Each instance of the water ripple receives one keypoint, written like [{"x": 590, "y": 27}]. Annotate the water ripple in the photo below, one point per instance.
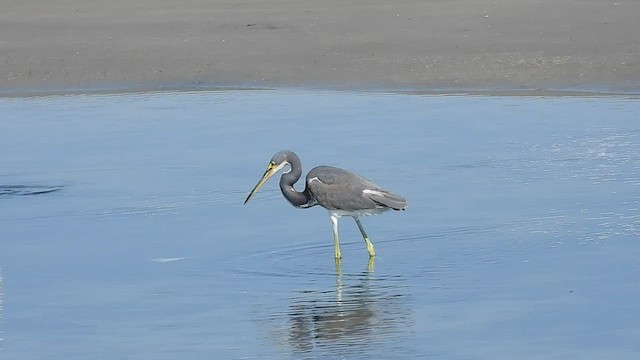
[{"x": 26, "y": 190}]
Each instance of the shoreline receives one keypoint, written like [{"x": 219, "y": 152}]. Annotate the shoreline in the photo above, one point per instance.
[{"x": 122, "y": 90}]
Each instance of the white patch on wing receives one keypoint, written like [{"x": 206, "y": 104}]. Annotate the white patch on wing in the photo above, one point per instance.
[{"x": 373, "y": 192}]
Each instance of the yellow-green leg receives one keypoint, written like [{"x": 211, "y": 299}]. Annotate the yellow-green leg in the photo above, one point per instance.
[
  {"x": 370, "y": 249},
  {"x": 336, "y": 241}
]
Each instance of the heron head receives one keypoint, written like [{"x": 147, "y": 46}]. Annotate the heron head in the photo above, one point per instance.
[{"x": 278, "y": 161}]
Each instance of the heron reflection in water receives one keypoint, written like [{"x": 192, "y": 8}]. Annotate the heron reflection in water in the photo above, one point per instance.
[
  {"x": 341, "y": 192},
  {"x": 362, "y": 311}
]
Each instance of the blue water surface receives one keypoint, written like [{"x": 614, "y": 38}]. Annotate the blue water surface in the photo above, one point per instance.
[{"x": 123, "y": 234}]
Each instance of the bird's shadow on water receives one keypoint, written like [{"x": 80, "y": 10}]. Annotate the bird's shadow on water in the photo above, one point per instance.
[{"x": 361, "y": 310}]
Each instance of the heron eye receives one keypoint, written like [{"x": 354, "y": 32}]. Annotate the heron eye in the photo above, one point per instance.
[{"x": 271, "y": 165}]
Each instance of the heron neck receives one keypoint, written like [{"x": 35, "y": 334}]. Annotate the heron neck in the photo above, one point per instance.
[{"x": 296, "y": 198}]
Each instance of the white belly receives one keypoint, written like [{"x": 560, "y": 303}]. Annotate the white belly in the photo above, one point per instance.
[{"x": 356, "y": 213}]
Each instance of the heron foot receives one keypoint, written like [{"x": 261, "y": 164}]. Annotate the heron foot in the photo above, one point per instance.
[{"x": 370, "y": 249}]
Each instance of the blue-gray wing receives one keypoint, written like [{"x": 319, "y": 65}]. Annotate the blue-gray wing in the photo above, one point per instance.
[{"x": 338, "y": 189}]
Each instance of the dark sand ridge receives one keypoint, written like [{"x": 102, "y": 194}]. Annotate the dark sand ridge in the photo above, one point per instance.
[{"x": 356, "y": 44}]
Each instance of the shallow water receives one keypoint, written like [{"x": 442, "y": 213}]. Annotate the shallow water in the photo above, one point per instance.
[{"x": 520, "y": 240}]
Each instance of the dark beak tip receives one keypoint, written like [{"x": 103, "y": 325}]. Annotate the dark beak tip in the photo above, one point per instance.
[{"x": 247, "y": 199}]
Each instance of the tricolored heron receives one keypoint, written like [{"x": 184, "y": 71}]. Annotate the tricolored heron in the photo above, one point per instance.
[{"x": 341, "y": 192}]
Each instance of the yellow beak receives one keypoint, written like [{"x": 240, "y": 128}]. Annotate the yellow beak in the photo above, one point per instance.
[{"x": 271, "y": 170}]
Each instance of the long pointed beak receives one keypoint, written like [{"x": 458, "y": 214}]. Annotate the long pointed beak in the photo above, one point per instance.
[{"x": 267, "y": 175}]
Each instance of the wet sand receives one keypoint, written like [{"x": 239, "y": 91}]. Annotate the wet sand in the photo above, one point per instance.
[{"x": 409, "y": 44}]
